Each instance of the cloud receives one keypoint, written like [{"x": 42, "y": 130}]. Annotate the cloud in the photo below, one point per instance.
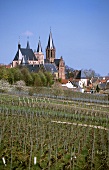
[{"x": 27, "y": 33}]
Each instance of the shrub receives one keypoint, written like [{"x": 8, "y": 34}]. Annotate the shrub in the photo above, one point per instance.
[{"x": 31, "y": 91}]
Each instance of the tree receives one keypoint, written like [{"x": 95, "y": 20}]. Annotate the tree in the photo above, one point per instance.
[
  {"x": 3, "y": 73},
  {"x": 57, "y": 89},
  {"x": 49, "y": 78},
  {"x": 10, "y": 76},
  {"x": 26, "y": 76},
  {"x": 37, "y": 80},
  {"x": 19, "y": 85},
  {"x": 17, "y": 74},
  {"x": 69, "y": 72},
  {"x": 89, "y": 73},
  {"x": 97, "y": 88},
  {"x": 43, "y": 78}
]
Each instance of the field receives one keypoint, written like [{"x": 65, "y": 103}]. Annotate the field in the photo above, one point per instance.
[{"x": 53, "y": 133}]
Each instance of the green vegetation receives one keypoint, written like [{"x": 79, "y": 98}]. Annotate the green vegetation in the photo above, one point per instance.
[
  {"x": 60, "y": 134},
  {"x": 12, "y": 75}
]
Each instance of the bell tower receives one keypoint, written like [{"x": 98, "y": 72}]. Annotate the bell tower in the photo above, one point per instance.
[
  {"x": 50, "y": 49},
  {"x": 61, "y": 68}
]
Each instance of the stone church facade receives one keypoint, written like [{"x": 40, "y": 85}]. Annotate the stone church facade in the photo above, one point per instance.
[{"x": 26, "y": 57}]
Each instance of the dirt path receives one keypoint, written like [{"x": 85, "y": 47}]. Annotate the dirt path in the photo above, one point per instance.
[{"x": 79, "y": 124}]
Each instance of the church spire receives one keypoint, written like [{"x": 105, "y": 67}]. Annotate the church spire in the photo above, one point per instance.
[
  {"x": 19, "y": 46},
  {"x": 28, "y": 45},
  {"x": 50, "y": 50},
  {"x": 50, "y": 41},
  {"x": 39, "y": 48}
]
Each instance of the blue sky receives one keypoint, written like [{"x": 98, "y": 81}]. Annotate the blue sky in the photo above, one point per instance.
[{"x": 80, "y": 30}]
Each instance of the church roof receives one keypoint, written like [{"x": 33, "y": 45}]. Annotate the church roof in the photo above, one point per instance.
[
  {"x": 46, "y": 61},
  {"x": 56, "y": 61},
  {"x": 28, "y": 53},
  {"x": 50, "y": 42},
  {"x": 16, "y": 56},
  {"x": 83, "y": 74},
  {"x": 39, "y": 48},
  {"x": 24, "y": 60},
  {"x": 33, "y": 68},
  {"x": 50, "y": 67},
  {"x": 80, "y": 75}
]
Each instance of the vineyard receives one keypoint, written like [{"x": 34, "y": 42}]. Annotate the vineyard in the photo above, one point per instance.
[{"x": 53, "y": 133}]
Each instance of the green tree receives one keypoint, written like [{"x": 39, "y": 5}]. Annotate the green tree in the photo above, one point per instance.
[
  {"x": 37, "y": 80},
  {"x": 3, "y": 73},
  {"x": 43, "y": 78},
  {"x": 17, "y": 74},
  {"x": 33, "y": 78},
  {"x": 26, "y": 76},
  {"x": 49, "y": 78},
  {"x": 10, "y": 76}
]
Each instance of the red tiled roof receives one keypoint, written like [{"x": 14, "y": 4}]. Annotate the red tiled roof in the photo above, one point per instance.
[
  {"x": 8, "y": 66},
  {"x": 103, "y": 81},
  {"x": 64, "y": 81}
]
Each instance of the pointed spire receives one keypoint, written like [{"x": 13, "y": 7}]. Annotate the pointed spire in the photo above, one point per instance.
[
  {"x": 28, "y": 46},
  {"x": 19, "y": 40},
  {"x": 39, "y": 48},
  {"x": 50, "y": 41},
  {"x": 19, "y": 46}
]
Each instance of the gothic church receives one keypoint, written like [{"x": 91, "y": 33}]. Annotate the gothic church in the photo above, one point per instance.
[{"x": 34, "y": 60}]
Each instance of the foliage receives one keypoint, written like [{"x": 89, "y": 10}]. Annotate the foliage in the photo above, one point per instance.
[
  {"x": 37, "y": 80},
  {"x": 3, "y": 73},
  {"x": 12, "y": 75},
  {"x": 57, "y": 89},
  {"x": 69, "y": 72},
  {"x": 49, "y": 78},
  {"x": 17, "y": 74},
  {"x": 26, "y": 76},
  {"x": 43, "y": 78},
  {"x": 19, "y": 85},
  {"x": 31, "y": 91},
  {"x": 3, "y": 90},
  {"x": 4, "y": 86}
]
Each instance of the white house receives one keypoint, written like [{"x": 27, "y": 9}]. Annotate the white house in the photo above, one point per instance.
[{"x": 69, "y": 85}]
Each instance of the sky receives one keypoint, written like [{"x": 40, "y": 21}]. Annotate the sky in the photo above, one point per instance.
[{"x": 80, "y": 30}]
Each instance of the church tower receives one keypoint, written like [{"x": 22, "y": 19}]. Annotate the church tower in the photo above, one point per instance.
[
  {"x": 61, "y": 68},
  {"x": 39, "y": 54},
  {"x": 50, "y": 50}
]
